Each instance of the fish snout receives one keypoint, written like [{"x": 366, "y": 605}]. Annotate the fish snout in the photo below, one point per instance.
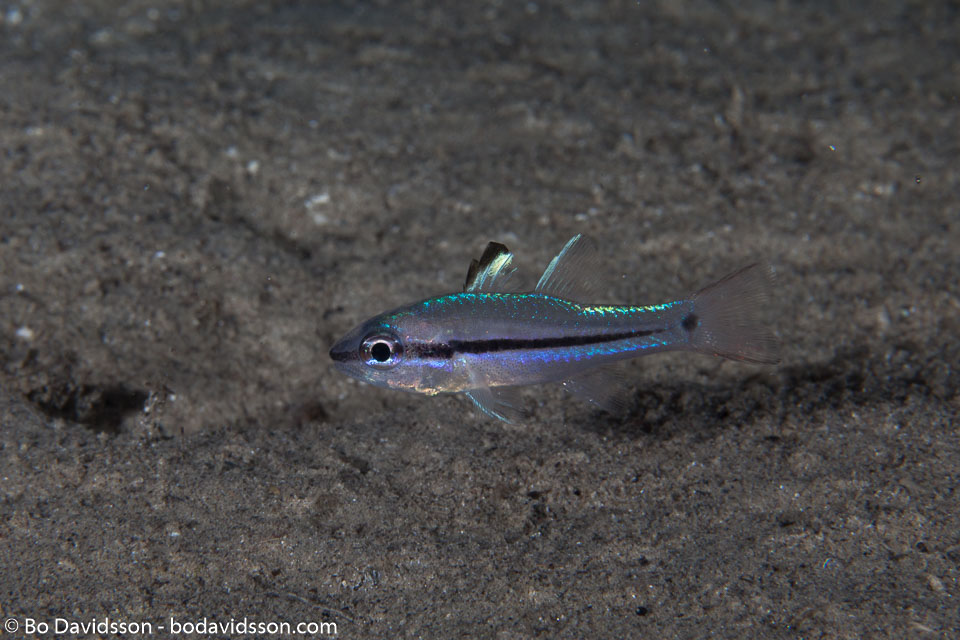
[{"x": 341, "y": 352}]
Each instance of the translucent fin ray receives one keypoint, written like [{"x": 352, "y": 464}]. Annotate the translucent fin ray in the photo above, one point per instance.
[
  {"x": 502, "y": 403},
  {"x": 604, "y": 386},
  {"x": 727, "y": 317},
  {"x": 571, "y": 274}
]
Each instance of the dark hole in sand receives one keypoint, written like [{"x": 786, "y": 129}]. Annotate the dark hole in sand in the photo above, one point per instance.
[{"x": 100, "y": 408}]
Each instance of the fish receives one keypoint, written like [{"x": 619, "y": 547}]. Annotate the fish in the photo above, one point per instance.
[{"x": 490, "y": 340}]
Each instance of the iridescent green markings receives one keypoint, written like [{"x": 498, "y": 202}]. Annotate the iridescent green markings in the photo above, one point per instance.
[{"x": 487, "y": 341}]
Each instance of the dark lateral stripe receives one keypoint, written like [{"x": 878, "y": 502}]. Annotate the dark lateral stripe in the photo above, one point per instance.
[
  {"x": 341, "y": 356},
  {"x": 511, "y": 344},
  {"x": 431, "y": 350},
  {"x": 447, "y": 350}
]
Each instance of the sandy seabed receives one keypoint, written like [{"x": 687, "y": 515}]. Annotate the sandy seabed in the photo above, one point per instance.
[{"x": 198, "y": 200}]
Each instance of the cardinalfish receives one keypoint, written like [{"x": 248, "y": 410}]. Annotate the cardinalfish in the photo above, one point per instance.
[{"x": 490, "y": 340}]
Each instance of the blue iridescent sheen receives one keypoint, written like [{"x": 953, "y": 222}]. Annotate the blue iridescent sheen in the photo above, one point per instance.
[
  {"x": 539, "y": 327},
  {"x": 487, "y": 340}
]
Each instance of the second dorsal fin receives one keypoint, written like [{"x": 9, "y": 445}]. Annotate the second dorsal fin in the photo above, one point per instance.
[
  {"x": 572, "y": 274},
  {"x": 492, "y": 271}
]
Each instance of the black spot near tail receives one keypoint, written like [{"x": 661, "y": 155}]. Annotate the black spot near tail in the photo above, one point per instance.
[{"x": 691, "y": 322}]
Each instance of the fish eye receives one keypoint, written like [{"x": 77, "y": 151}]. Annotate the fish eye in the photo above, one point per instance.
[{"x": 382, "y": 351}]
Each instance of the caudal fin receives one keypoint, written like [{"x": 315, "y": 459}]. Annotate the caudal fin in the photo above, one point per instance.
[{"x": 727, "y": 317}]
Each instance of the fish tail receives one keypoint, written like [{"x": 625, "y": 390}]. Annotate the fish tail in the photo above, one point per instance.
[{"x": 727, "y": 318}]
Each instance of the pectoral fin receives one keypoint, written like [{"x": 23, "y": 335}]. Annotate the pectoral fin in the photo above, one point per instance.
[{"x": 502, "y": 403}]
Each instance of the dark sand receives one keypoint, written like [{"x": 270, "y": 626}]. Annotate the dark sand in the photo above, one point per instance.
[{"x": 197, "y": 201}]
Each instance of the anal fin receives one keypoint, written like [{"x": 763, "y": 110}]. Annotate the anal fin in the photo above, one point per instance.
[{"x": 603, "y": 386}]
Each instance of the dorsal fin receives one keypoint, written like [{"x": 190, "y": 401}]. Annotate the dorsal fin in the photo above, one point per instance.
[
  {"x": 492, "y": 271},
  {"x": 571, "y": 275}
]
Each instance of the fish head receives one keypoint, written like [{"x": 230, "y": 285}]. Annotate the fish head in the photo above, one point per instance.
[{"x": 384, "y": 351}]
